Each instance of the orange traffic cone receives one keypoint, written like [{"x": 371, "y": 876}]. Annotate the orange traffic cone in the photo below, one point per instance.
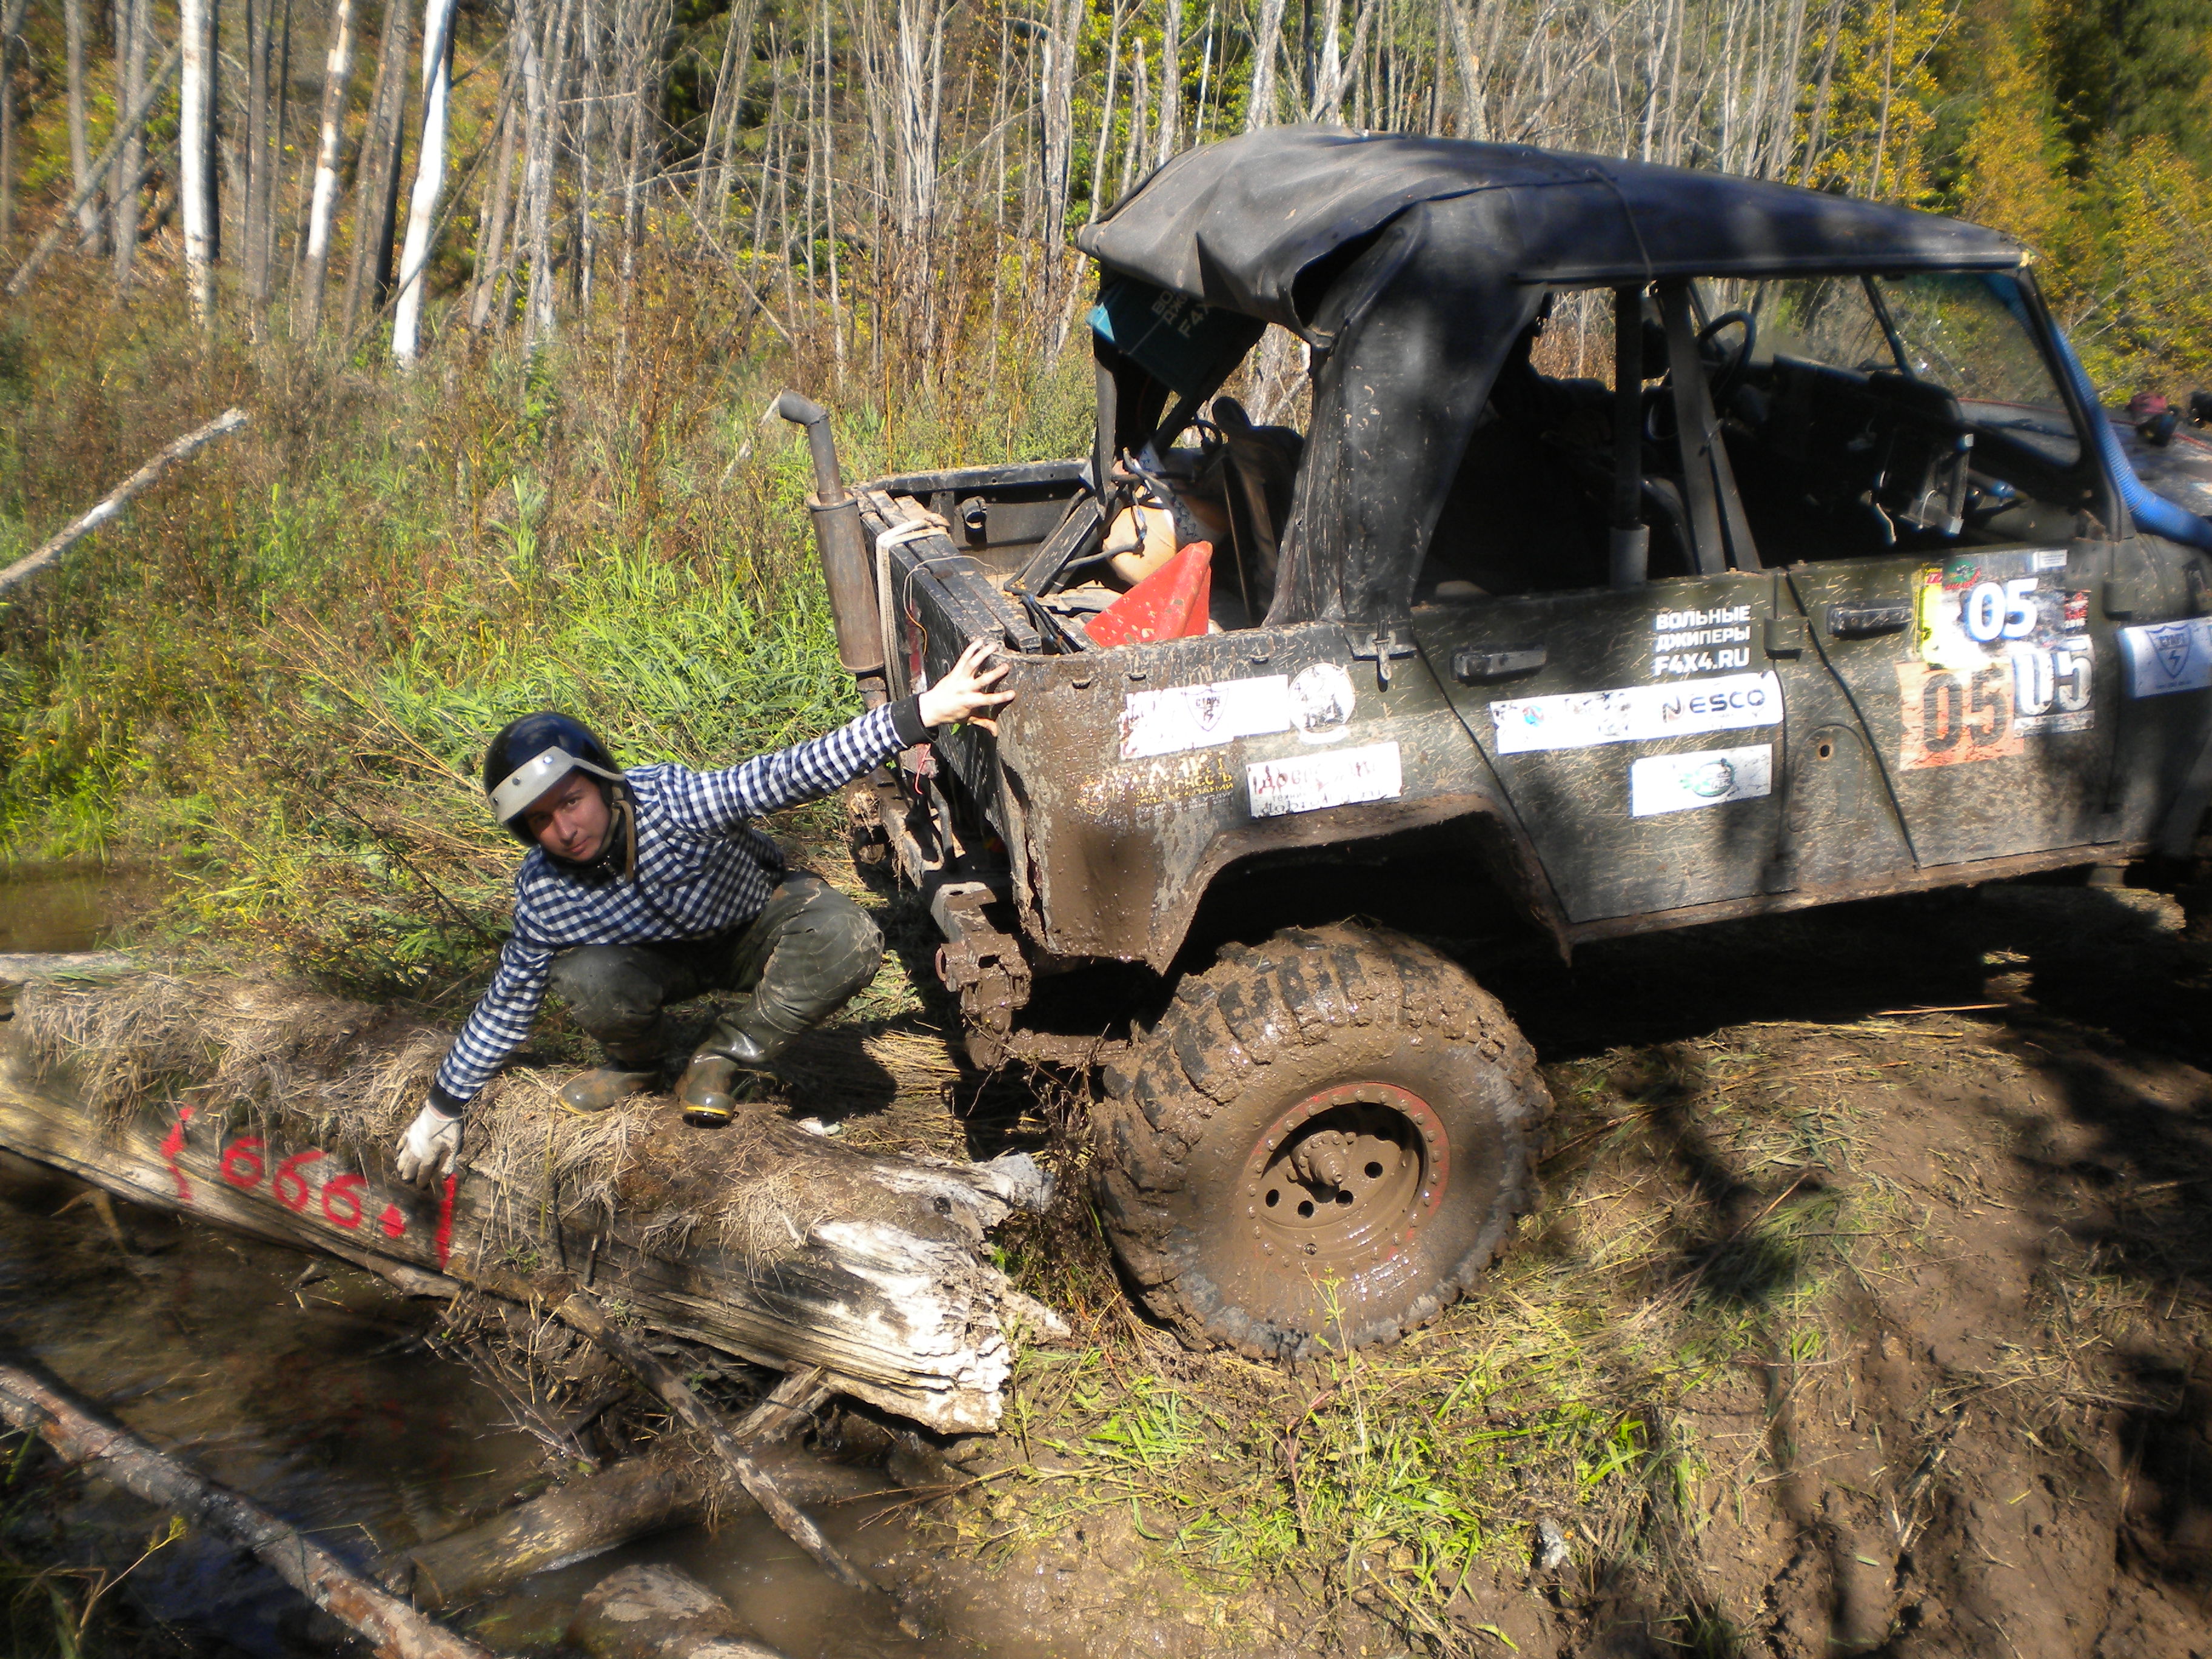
[{"x": 1170, "y": 603}]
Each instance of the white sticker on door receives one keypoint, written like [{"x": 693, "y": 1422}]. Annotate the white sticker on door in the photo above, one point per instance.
[
  {"x": 1635, "y": 714},
  {"x": 1706, "y": 777},
  {"x": 1181, "y": 717},
  {"x": 1307, "y": 783},
  {"x": 2175, "y": 656}
]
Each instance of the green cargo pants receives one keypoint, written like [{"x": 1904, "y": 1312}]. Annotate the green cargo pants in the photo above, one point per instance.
[{"x": 802, "y": 958}]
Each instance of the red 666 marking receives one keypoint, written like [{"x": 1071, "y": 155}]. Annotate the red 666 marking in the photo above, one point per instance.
[{"x": 342, "y": 1201}]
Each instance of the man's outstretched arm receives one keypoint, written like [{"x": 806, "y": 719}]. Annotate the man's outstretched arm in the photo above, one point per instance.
[{"x": 808, "y": 771}]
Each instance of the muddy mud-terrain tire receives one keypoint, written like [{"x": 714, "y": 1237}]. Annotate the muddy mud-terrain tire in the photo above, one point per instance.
[{"x": 1323, "y": 1139}]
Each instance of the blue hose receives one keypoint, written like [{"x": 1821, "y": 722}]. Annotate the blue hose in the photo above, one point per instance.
[{"x": 2150, "y": 511}]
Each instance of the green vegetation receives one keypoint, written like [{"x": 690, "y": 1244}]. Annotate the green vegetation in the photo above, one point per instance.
[{"x": 276, "y": 677}]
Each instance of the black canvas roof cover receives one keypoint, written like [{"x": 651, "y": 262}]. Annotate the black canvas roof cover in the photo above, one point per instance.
[
  {"x": 1236, "y": 223},
  {"x": 1411, "y": 265}
]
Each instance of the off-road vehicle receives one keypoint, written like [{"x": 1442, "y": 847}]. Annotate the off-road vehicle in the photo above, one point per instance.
[{"x": 1838, "y": 584}]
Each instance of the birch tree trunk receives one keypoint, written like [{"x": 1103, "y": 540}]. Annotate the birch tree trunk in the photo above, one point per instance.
[
  {"x": 8, "y": 25},
  {"x": 376, "y": 178},
  {"x": 1260, "y": 108},
  {"x": 337, "y": 71},
  {"x": 88, "y": 216},
  {"x": 1473, "y": 119},
  {"x": 122, "y": 193},
  {"x": 491, "y": 249},
  {"x": 260, "y": 164},
  {"x": 429, "y": 176},
  {"x": 1170, "y": 84},
  {"x": 1106, "y": 116},
  {"x": 195, "y": 114}
]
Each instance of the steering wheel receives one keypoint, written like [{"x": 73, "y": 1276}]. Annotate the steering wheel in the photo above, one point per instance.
[{"x": 1725, "y": 369}]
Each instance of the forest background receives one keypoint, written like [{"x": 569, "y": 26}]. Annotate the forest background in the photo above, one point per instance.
[{"x": 505, "y": 284}]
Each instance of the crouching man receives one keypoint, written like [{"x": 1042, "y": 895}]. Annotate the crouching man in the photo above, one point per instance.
[{"x": 645, "y": 888}]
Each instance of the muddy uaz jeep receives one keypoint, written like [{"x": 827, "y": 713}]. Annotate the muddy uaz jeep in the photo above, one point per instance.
[{"x": 1841, "y": 584}]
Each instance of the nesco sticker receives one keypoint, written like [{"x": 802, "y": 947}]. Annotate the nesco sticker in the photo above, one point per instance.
[
  {"x": 1706, "y": 777},
  {"x": 1635, "y": 714}
]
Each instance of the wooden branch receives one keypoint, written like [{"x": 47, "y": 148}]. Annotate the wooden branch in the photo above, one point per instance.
[
  {"x": 130, "y": 123},
  {"x": 83, "y": 1436},
  {"x": 580, "y": 1309},
  {"x": 663, "y": 1488},
  {"x": 191, "y": 444}
]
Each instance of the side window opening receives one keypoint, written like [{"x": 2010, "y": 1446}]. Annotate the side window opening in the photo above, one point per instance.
[
  {"x": 1907, "y": 413},
  {"x": 1861, "y": 415}
]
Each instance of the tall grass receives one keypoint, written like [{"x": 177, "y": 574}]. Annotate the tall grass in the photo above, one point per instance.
[{"x": 276, "y": 676}]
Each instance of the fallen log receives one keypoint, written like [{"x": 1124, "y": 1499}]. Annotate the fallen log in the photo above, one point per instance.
[
  {"x": 580, "y": 1310},
  {"x": 119, "y": 497},
  {"x": 39, "y": 1405},
  {"x": 653, "y": 1493},
  {"x": 659, "y": 1612},
  {"x": 255, "y": 1105}
]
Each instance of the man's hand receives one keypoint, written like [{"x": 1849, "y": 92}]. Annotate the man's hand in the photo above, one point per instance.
[
  {"x": 427, "y": 1150},
  {"x": 965, "y": 691}
]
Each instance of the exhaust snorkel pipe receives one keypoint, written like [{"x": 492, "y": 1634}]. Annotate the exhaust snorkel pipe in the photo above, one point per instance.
[{"x": 843, "y": 545}]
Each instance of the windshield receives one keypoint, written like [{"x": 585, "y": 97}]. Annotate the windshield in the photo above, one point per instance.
[{"x": 1967, "y": 333}]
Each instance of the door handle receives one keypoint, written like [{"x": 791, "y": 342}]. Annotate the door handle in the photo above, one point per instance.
[
  {"x": 1860, "y": 622},
  {"x": 1470, "y": 665}
]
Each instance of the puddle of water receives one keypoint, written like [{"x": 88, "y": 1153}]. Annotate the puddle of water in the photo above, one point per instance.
[
  {"x": 67, "y": 907},
  {"x": 322, "y": 1405}
]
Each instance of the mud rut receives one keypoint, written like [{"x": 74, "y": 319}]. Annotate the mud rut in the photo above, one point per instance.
[{"x": 2002, "y": 1444}]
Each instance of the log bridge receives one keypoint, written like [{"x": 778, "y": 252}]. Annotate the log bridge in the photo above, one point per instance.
[{"x": 879, "y": 1280}]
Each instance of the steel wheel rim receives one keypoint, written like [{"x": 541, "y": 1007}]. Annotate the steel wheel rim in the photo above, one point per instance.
[{"x": 1346, "y": 1179}]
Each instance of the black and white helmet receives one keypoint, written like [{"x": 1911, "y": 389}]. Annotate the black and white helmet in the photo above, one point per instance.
[{"x": 532, "y": 754}]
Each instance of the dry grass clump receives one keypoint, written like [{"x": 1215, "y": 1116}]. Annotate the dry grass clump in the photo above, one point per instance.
[{"x": 350, "y": 1076}]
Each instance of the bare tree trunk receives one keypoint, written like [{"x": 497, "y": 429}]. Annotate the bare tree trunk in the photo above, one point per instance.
[
  {"x": 88, "y": 216},
  {"x": 715, "y": 107},
  {"x": 1106, "y": 115},
  {"x": 1259, "y": 108},
  {"x": 491, "y": 247},
  {"x": 830, "y": 198},
  {"x": 1139, "y": 102},
  {"x": 260, "y": 164},
  {"x": 1475, "y": 122},
  {"x": 8, "y": 25},
  {"x": 1060, "y": 42},
  {"x": 337, "y": 70},
  {"x": 123, "y": 197},
  {"x": 429, "y": 176},
  {"x": 195, "y": 119},
  {"x": 376, "y": 178},
  {"x": 1170, "y": 84},
  {"x": 543, "y": 77},
  {"x": 1205, "y": 78}
]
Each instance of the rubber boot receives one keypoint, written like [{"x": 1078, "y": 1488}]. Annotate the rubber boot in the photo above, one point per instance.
[
  {"x": 597, "y": 1090},
  {"x": 714, "y": 1083}
]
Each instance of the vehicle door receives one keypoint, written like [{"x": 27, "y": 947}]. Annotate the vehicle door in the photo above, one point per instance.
[
  {"x": 1946, "y": 593},
  {"x": 1638, "y": 733}
]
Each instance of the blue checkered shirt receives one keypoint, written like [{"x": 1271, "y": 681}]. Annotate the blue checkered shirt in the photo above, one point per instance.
[{"x": 702, "y": 868}]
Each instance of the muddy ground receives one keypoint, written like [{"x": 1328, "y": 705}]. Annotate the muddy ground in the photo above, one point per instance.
[
  {"x": 1865, "y": 1308},
  {"x": 1913, "y": 1310}
]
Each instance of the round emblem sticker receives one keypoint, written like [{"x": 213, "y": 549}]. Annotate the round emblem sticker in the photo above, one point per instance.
[{"x": 1321, "y": 700}]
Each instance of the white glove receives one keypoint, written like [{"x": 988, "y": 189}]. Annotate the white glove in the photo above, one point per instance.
[{"x": 427, "y": 1150}]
